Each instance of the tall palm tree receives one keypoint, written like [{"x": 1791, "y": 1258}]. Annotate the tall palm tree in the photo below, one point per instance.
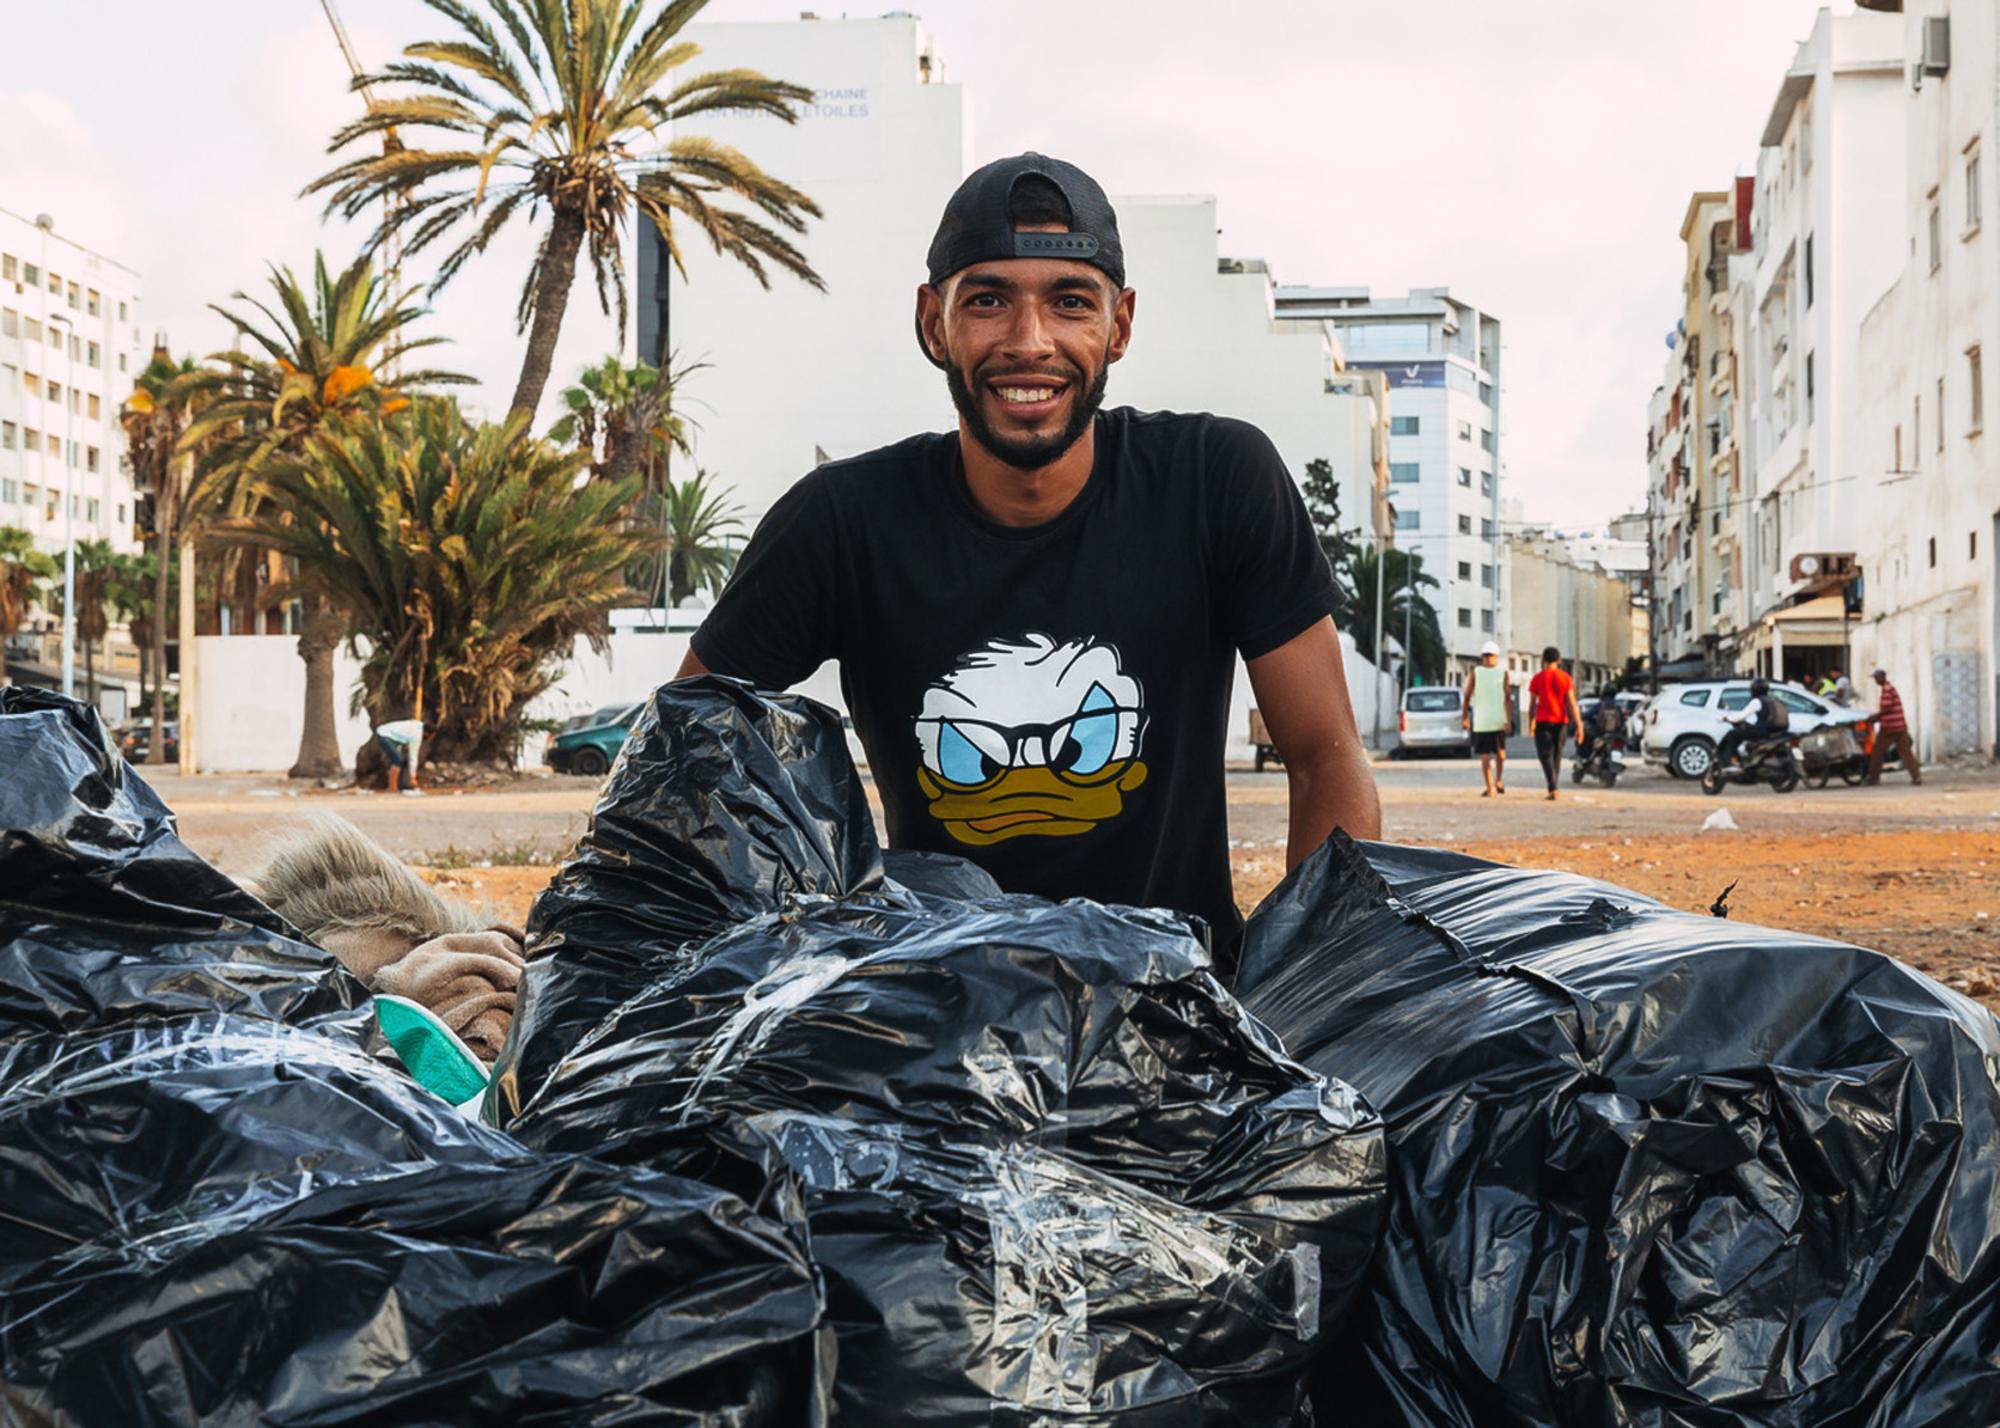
[
  {"x": 323, "y": 353},
  {"x": 1403, "y": 607},
  {"x": 23, "y": 568},
  {"x": 468, "y": 556},
  {"x": 560, "y": 106},
  {"x": 154, "y": 417},
  {"x": 96, "y": 573}
]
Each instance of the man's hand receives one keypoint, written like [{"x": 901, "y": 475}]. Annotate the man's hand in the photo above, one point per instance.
[{"x": 1301, "y": 689}]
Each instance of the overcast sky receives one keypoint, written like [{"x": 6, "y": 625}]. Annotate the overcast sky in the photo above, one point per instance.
[{"x": 1534, "y": 157}]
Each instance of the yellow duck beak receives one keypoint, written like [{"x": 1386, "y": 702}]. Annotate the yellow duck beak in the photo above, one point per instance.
[{"x": 1019, "y": 802}]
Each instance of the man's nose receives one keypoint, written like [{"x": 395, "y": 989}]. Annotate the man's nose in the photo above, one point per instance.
[{"x": 1031, "y": 335}]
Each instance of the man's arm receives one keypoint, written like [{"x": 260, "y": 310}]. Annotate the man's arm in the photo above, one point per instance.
[
  {"x": 1575, "y": 714},
  {"x": 1464, "y": 701},
  {"x": 691, "y": 665},
  {"x": 1301, "y": 690}
]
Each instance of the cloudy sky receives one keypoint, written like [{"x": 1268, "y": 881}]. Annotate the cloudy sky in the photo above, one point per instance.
[{"x": 1535, "y": 157}]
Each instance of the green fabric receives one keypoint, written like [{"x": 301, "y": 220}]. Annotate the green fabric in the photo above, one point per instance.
[
  {"x": 1489, "y": 698},
  {"x": 440, "y": 1062}
]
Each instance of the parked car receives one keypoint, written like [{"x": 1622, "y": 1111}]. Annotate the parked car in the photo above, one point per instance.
[
  {"x": 137, "y": 741},
  {"x": 588, "y": 743},
  {"x": 1685, "y": 723},
  {"x": 1429, "y": 722}
]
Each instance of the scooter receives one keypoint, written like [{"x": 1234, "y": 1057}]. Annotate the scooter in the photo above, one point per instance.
[
  {"x": 1774, "y": 759},
  {"x": 1605, "y": 761}
]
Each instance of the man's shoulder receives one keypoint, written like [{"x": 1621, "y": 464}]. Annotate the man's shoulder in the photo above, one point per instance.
[
  {"x": 1169, "y": 428},
  {"x": 913, "y": 453}
]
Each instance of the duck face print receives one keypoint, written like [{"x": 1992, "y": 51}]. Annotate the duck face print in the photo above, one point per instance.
[{"x": 1031, "y": 737}]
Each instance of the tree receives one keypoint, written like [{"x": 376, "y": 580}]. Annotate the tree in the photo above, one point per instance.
[
  {"x": 154, "y": 417},
  {"x": 96, "y": 573},
  {"x": 695, "y": 519},
  {"x": 623, "y": 416},
  {"x": 558, "y": 107},
  {"x": 467, "y": 556},
  {"x": 319, "y": 356},
  {"x": 1404, "y": 606},
  {"x": 23, "y": 568},
  {"x": 1341, "y": 544}
]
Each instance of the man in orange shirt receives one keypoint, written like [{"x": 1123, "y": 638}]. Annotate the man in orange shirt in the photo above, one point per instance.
[{"x": 1552, "y": 694}]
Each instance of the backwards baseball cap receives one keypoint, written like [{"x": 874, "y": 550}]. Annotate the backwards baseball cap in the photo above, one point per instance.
[
  {"x": 1489, "y": 648},
  {"x": 978, "y": 225}
]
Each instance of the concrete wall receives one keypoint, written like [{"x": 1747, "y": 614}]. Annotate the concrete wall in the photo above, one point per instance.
[{"x": 250, "y": 695}]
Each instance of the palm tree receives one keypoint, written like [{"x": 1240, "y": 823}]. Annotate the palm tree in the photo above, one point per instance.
[
  {"x": 96, "y": 572},
  {"x": 23, "y": 568},
  {"x": 1404, "y": 607},
  {"x": 630, "y": 411},
  {"x": 319, "y": 356},
  {"x": 557, "y": 106},
  {"x": 154, "y": 417},
  {"x": 695, "y": 519},
  {"x": 468, "y": 556}
]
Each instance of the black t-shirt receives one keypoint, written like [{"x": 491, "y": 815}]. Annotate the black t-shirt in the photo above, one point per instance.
[{"x": 1049, "y": 701}]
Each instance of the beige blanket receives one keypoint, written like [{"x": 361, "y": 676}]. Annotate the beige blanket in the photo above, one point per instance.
[{"x": 468, "y": 980}]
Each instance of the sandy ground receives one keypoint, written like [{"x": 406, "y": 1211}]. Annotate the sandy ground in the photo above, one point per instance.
[{"x": 1912, "y": 871}]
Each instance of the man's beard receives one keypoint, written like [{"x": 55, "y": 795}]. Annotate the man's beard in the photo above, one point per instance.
[{"x": 1027, "y": 453}]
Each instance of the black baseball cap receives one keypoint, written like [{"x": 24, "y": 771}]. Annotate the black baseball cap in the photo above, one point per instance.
[{"x": 977, "y": 226}]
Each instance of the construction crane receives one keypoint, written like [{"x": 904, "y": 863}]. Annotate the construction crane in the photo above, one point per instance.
[{"x": 393, "y": 205}]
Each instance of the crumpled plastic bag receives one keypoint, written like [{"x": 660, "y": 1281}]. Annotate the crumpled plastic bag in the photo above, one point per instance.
[
  {"x": 1646, "y": 1167},
  {"x": 217, "y": 1207},
  {"x": 1053, "y": 1173}
]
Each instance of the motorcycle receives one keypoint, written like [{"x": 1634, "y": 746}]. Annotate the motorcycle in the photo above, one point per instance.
[
  {"x": 1774, "y": 759},
  {"x": 1833, "y": 751},
  {"x": 1604, "y": 760}
]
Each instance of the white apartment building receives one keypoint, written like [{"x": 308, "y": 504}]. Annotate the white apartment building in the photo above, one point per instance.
[
  {"x": 1441, "y": 357},
  {"x": 1928, "y": 546},
  {"x": 69, "y": 350},
  {"x": 1830, "y": 166}
]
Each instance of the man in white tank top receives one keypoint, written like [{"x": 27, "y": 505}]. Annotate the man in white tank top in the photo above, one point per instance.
[{"x": 1488, "y": 697}]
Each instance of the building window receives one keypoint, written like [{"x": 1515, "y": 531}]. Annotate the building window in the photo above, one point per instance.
[
  {"x": 1465, "y": 431},
  {"x": 1972, "y": 190},
  {"x": 1809, "y": 270},
  {"x": 96, "y": 411},
  {"x": 10, "y": 269},
  {"x": 1896, "y": 463},
  {"x": 1486, "y": 483},
  {"x": 1405, "y": 473},
  {"x": 1972, "y": 545},
  {"x": 52, "y": 446},
  {"x": 10, "y": 491},
  {"x": 31, "y": 275},
  {"x": 10, "y": 322},
  {"x": 121, "y": 513},
  {"x": 31, "y": 329},
  {"x": 55, "y": 393},
  {"x": 1809, "y": 386},
  {"x": 1406, "y": 520},
  {"x": 55, "y": 285},
  {"x": 9, "y": 434},
  {"x": 1936, "y": 230},
  {"x": 90, "y": 510},
  {"x": 1485, "y": 441},
  {"x": 1465, "y": 525},
  {"x": 121, "y": 312},
  {"x": 1465, "y": 477},
  {"x": 1402, "y": 426},
  {"x": 93, "y": 356},
  {"x": 121, "y": 361},
  {"x": 91, "y": 301},
  {"x": 34, "y": 440},
  {"x": 1485, "y": 529},
  {"x": 1465, "y": 570},
  {"x": 90, "y": 458},
  {"x": 1486, "y": 621},
  {"x": 1486, "y": 393},
  {"x": 1464, "y": 618},
  {"x": 1975, "y": 379},
  {"x": 1486, "y": 576},
  {"x": 1933, "y": 551}
]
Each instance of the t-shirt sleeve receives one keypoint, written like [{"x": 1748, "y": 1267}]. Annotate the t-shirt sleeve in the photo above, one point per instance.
[
  {"x": 1275, "y": 581},
  {"x": 775, "y": 621}
]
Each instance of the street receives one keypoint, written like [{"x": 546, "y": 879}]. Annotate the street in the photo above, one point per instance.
[{"x": 1912, "y": 871}]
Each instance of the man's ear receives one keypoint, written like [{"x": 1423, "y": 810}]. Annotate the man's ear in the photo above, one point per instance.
[
  {"x": 1121, "y": 323},
  {"x": 930, "y": 322}
]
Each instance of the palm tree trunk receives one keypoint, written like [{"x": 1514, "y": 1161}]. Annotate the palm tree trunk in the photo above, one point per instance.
[
  {"x": 156, "y": 747},
  {"x": 319, "y": 741},
  {"x": 551, "y": 297},
  {"x": 90, "y": 672}
]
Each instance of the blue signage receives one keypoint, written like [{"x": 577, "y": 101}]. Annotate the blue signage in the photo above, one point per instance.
[{"x": 1407, "y": 374}]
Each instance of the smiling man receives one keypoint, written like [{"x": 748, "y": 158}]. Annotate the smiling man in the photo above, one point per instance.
[{"x": 1037, "y": 616}]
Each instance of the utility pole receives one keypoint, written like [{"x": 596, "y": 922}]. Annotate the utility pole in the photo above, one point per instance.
[{"x": 1652, "y": 603}]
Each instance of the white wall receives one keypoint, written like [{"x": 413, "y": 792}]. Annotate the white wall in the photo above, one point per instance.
[{"x": 250, "y": 694}]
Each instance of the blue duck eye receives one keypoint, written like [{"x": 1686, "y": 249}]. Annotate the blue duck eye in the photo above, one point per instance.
[
  {"x": 960, "y": 760},
  {"x": 1092, "y": 737}
]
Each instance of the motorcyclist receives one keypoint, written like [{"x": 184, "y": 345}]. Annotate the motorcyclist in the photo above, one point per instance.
[
  {"x": 1607, "y": 720},
  {"x": 1760, "y": 718}
]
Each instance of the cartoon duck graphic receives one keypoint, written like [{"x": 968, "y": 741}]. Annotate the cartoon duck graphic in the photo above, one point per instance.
[{"x": 1031, "y": 737}]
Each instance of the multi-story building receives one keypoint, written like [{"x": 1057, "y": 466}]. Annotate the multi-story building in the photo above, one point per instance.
[
  {"x": 1574, "y": 593},
  {"x": 1927, "y": 549},
  {"x": 1830, "y": 166},
  {"x": 69, "y": 348},
  {"x": 1441, "y": 357}
]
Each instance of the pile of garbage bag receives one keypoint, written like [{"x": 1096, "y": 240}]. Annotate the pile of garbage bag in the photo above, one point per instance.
[
  {"x": 218, "y": 1206},
  {"x": 1646, "y": 1166},
  {"x": 1052, "y": 1172}
]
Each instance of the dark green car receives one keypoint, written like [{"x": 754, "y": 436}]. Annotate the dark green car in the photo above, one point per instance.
[{"x": 588, "y": 743}]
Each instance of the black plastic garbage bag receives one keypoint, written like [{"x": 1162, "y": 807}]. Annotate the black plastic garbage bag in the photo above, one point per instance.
[
  {"x": 724, "y": 801},
  {"x": 217, "y": 1207},
  {"x": 1053, "y": 1172},
  {"x": 1647, "y": 1167}
]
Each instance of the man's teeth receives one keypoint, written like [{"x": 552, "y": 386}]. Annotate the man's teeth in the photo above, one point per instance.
[{"x": 1027, "y": 394}]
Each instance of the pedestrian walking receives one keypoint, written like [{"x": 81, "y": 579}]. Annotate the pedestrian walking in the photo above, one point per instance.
[
  {"x": 1891, "y": 727},
  {"x": 1552, "y": 696},
  {"x": 1488, "y": 704},
  {"x": 402, "y": 740}
]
